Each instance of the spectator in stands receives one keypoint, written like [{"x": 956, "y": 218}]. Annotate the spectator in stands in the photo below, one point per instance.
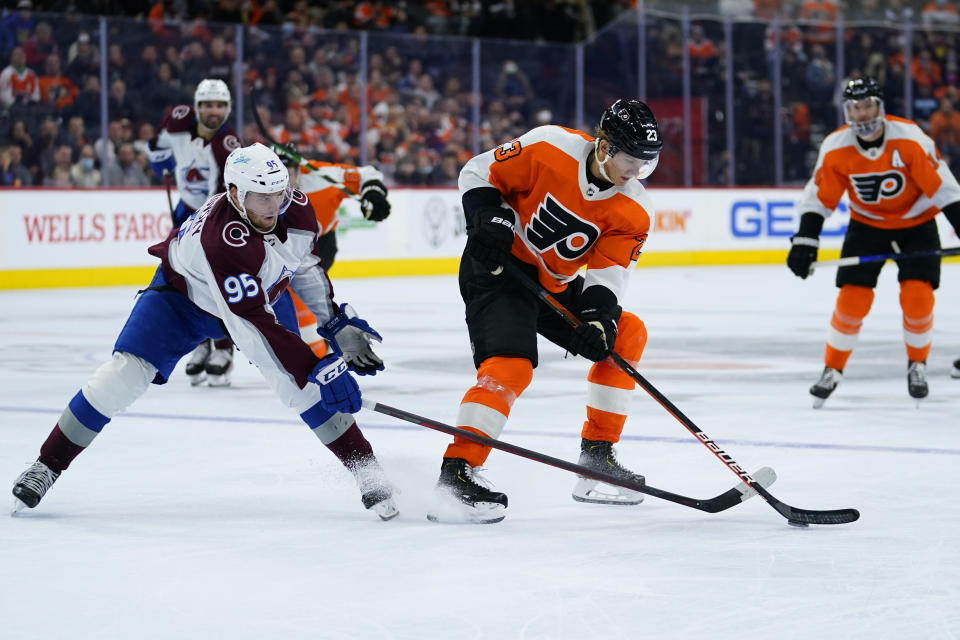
[
  {"x": 145, "y": 69},
  {"x": 939, "y": 12},
  {"x": 56, "y": 89},
  {"x": 87, "y": 104},
  {"x": 12, "y": 171},
  {"x": 124, "y": 171},
  {"x": 219, "y": 63},
  {"x": 20, "y": 136},
  {"x": 925, "y": 70},
  {"x": 897, "y": 13},
  {"x": 16, "y": 27},
  {"x": 145, "y": 133},
  {"x": 83, "y": 59},
  {"x": 703, "y": 61},
  {"x": 945, "y": 131},
  {"x": 84, "y": 172},
  {"x": 59, "y": 175},
  {"x": 118, "y": 132},
  {"x": 19, "y": 84},
  {"x": 821, "y": 82},
  {"x": 76, "y": 135},
  {"x": 47, "y": 141},
  {"x": 40, "y": 45},
  {"x": 513, "y": 87},
  {"x": 924, "y": 104},
  {"x": 118, "y": 104},
  {"x": 117, "y": 66}
]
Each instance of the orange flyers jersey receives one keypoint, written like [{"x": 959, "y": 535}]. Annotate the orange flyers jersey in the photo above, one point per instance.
[
  {"x": 319, "y": 183},
  {"x": 901, "y": 184},
  {"x": 562, "y": 221}
]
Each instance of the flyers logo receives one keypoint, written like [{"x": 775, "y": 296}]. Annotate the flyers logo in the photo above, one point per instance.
[
  {"x": 507, "y": 150},
  {"x": 635, "y": 255},
  {"x": 553, "y": 225},
  {"x": 872, "y": 187}
]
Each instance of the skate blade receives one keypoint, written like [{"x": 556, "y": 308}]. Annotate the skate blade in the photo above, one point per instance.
[
  {"x": 386, "y": 509},
  {"x": 18, "y": 506},
  {"x": 448, "y": 510},
  {"x": 955, "y": 373},
  {"x": 818, "y": 402},
  {"x": 197, "y": 380},
  {"x": 218, "y": 381},
  {"x": 586, "y": 491}
]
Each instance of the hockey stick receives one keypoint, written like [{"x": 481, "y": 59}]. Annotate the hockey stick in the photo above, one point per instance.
[
  {"x": 722, "y": 502},
  {"x": 166, "y": 182},
  {"x": 795, "y": 516},
  {"x": 296, "y": 157},
  {"x": 851, "y": 260}
]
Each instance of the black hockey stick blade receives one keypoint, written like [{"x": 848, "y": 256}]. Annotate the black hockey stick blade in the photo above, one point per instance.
[
  {"x": 793, "y": 515},
  {"x": 296, "y": 157},
  {"x": 731, "y": 498}
]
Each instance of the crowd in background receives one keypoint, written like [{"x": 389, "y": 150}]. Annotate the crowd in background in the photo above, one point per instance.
[{"x": 302, "y": 64}]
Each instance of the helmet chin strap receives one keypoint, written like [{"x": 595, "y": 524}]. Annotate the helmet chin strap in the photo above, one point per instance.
[{"x": 600, "y": 163}]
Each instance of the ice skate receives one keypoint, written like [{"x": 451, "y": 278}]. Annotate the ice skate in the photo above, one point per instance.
[
  {"x": 917, "y": 380},
  {"x": 218, "y": 367},
  {"x": 376, "y": 491},
  {"x": 955, "y": 372},
  {"x": 600, "y": 456},
  {"x": 33, "y": 484},
  {"x": 465, "y": 496},
  {"x": 195, "y": 370},
  {"x": 823, "y": 387}
]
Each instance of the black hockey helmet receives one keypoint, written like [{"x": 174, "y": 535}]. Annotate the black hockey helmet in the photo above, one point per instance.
[
  {"x": 862, "y": 88},
  {"x": 856, "y": 91},
  {"x": 629, "y": 126}
]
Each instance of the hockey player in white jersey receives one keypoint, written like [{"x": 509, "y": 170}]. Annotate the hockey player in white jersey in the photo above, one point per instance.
[
  {"x": 229, "y": 268},
  {"x": 192, "y": 144}
]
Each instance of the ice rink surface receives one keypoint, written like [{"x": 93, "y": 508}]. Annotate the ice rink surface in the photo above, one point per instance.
[{"x": 215, "y": 513}]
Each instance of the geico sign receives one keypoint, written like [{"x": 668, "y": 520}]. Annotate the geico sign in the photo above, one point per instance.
[{"x": 772, "y": 218}]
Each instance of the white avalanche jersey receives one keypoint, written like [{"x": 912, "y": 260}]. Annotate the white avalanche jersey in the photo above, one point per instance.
[
  {"x": 199, "y": 170},
  {"x": 234, "y": 273}
]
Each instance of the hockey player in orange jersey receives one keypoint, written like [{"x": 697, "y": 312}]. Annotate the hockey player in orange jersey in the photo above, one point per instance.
[
  {"x": 897, "y": 183},
  {"x": 552, "y": 201},
  {"x": 327, "y": 185}
]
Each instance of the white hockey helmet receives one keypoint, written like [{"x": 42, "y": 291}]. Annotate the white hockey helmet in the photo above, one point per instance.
[
  {"x": 212, "y": 90},
  {"x": 256, "y": 169}
]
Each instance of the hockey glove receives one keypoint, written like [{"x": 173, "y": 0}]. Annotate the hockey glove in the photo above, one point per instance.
[
  {"x": 339, "y": 392},
  {"x": 492, "y": 239},
  {"x": 805, "y": 243},
  {"x": 162, "y": 161},
  {"x": 373, "y": 201},
  {"x": 351, "y": 336},
  {"x": 803, "y": 253},
  {"x": 594, "y": 337}
]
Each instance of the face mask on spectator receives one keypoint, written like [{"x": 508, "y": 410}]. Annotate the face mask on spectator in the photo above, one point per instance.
[{"x": 86, "y": 164}]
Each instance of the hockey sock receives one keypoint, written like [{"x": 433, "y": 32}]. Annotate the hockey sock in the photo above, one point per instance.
[
  {"x": 916, "y": 300},
  {"x": 352, "y": 447},
  {"x": 609, "y": 388},
  {"x": 57, "y": 451},
  {"x": 486, "y": 405},
  {"x": 853, "y": 304},
  {"x": 223, "y": 343}
]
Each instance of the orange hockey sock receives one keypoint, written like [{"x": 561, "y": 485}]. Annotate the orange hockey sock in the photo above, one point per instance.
[
  {"x": 916, "y": 300},
  {"x": 853, "y": 304}
]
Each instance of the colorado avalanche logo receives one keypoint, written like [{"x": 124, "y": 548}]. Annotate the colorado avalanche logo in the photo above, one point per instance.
[
  {"x": 180, "y": 112},
  {"x": 230, "y": 142},
  {"x": 235, "y": 233}
]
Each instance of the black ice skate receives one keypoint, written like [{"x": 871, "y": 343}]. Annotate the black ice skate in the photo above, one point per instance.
[
  {"x": 955, "y": 372},
  {"x": 218, "y": 367},
  {"x": 466, "y": 496},
  {"x": 195, "y": 364},
  {"x": 600, "y": 456},
  {"x": 823, "y": 387},
  {"x": 33, "y": 484},
  {"x": 376, "y": 491},
  {"x": 917, "y": 380}
]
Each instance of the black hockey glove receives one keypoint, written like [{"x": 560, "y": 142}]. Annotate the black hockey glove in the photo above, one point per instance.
[
  {"x": 595, "y": 336},
  {"x": 804, "y": 244},
  {"x": 351, "y": 336},
  {"x": 373, "y": 201},
  {"x": 492, "y": 239}
]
